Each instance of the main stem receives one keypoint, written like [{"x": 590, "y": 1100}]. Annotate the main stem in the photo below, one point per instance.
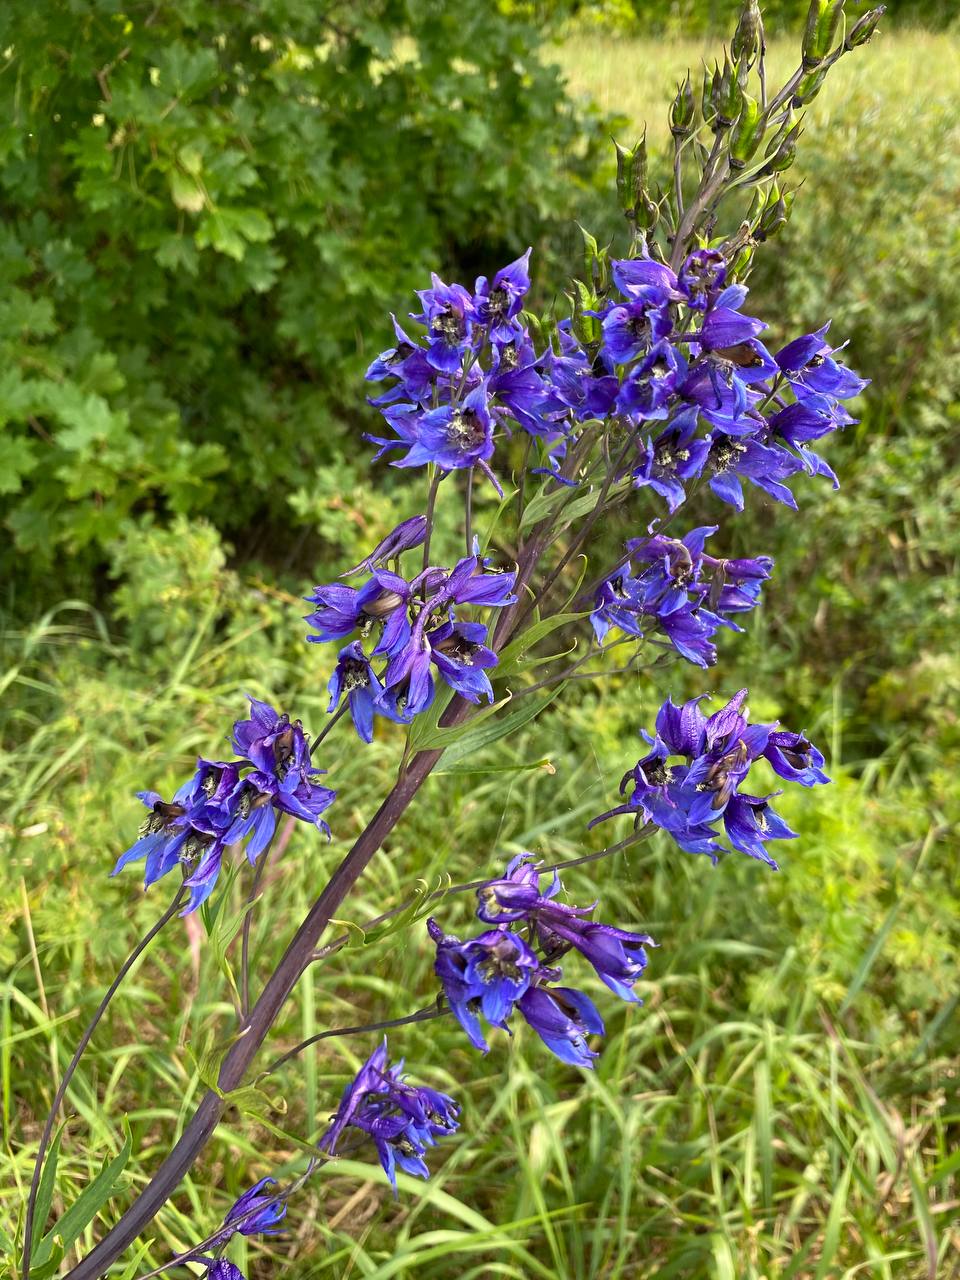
[
  {"x": 68, "y": 1075},
  {"x": 295, "y": 959}
]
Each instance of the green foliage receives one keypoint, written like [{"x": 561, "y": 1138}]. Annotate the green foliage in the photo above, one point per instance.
[
  {"x": 719, "y": 17},
  {"x": 782, "y": 1094},
  {"x": 208, "y": 211}
]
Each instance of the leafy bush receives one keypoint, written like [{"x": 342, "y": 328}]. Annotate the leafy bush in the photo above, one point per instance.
[{"x": 204, "y": 206}]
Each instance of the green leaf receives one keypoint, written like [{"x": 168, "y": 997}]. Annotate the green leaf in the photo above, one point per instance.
[
  {"x": 546, "y": 502},
  {"x": 486, "y": 734},
  {"x": 83, "y": 1211},
  {"x": 45, "y": 1190},
  {"x": 439, "y": 738},
  {"x": 513, "y": 658}
]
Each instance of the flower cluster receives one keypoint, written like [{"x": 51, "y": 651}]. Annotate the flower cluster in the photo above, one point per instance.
[
  {"x": 402, "y": 1119},
  {"x": 503, "y": 969},
  {"x": 256, "y": 1212},
  {"x": 229, "y": 802},
  {"x": 417, "y": 631},
  {"x": 688, "y": 799},
  {"x": 670, "y": 356},
  {"x": 682, "y": 592}
]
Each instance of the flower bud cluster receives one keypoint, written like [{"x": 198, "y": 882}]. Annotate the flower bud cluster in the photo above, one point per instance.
[
  {"x": 228, "y": 802},
  {"x": 512, "y": 965},
  {"x": 687, "y": 799}
]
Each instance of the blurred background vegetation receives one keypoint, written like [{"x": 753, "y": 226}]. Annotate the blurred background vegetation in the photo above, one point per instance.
[{"x": 208, "y": 211}]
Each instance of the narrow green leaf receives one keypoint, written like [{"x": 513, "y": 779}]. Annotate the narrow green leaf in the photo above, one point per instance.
[
  {"x": 432, "y": 740},
  {"x": 45, "y": 1190},
  {"x": 831, "y": 1236},
  {"x": 512, "y": 657},
  {"x": 83, "y": 1211},
  {"x": 924, "y": 1218},
  {"x": 486, "y": 734}
]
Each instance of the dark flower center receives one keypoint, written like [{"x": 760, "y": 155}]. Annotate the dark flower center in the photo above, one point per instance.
[
  {"x": 722, "y": 454},
  {"x": 466, "y": 429},
  {"x": 497, "y": 303},
  {"x": 356, "y": 674},
  {"x": 449, "y": 326}
]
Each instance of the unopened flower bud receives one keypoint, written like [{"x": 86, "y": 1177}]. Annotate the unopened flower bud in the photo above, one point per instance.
[
  {"x": 863, "y": 28},
  {"x": 740, "y": 263},
  {"x": 748, "y": 37},
  {"x": 624, "y": 179},
  {"x": 748, "y": 133},
  {"x": 823, "y": 19},
  {"x": 683, "y": 110},
  {"x": 638, "y": 169},
  {"x": 775, "y": 217}
]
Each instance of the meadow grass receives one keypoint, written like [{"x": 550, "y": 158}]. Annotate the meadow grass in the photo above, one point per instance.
[
  {"x": 772, "y": 1110},
  {"x": 783, "y": 1106},
  {"x": 634, "y": 77}
]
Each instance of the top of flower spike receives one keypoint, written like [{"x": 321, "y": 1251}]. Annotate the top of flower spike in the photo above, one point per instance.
[{"x": 675, "y": 349}]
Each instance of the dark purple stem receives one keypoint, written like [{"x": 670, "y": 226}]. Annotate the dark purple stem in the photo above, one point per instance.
[{"x": 264, "y": 1013}]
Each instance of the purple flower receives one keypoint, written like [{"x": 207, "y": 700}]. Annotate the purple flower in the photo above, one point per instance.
[
  {"x": 486, "y": 975},
  {"x": 402, "y": 1119},
  {"x": 635, "y": 277},
  {"x": 449, "y": 315},
  {"x": 497, "y": 303},
  {"x": 793, "y": 757},
  {"x": 223, "y": 1269},
  {"x": 355, "y": 677},
  {"x": 688, "y": 798},
  {"x": 733, "y": 460},
  {"x": 257, "y": 1212},
  {"x": 701, "y": 277},
  {"x": 343, "y": 610},
  {"x": 454, "y": 436},
  {"x": 408, "y": 363},
  {"x": 630, "y": 330},
  {"x": 407, "y": 535},
  {"x": 563, "y": 1018},
  {"x": 617, "y": 955},
  {"x": 461, "y": 657}
]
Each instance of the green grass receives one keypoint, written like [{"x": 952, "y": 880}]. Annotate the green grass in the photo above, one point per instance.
[
  {"x": 637, "y": 78},
  {"x": 779, "y": 1107},
  {"x": 784, "y": 1105}
]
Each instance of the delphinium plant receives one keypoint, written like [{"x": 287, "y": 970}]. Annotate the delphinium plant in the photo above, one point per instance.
[{"x": 593, "y": 429}]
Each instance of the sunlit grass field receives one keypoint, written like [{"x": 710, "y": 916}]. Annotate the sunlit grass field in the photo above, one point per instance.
[{"x": 783, "y": 1106}]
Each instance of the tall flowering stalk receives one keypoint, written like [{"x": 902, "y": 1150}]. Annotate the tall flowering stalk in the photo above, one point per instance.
[{"x": 659, "y": 382}]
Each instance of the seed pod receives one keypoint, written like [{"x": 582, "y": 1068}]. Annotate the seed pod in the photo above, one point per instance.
[
  {"x": 740, "y": 262},
  {"x": 863, "y": 28},
  {"x": 624, "y": 177},
  {"x": 683, "y": 110},
  {"x": 823, "y": 19},
  {"x": 780, "y": 154},
  {"x": 748, "y": 133},
  {"x": 748, "y": 37},
  {"x": 728, "y": 96},
  {"x": 809, "y": 87},
  {"x": 709, "y": 93},
  {"x": 775, "y": 217}
]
